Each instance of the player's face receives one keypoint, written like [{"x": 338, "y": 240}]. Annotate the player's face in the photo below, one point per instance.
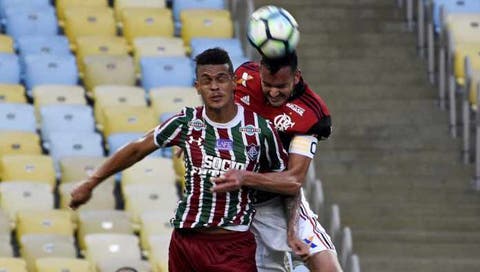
[
  {"x": 215, "y": 84},
  {"x": 278, "y": 87}
]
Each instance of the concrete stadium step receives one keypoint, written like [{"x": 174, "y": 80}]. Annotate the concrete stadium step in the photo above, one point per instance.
[
  {"x": 392, "y": 52},
  {"x": 375, "y": 66},
  {"x": 412, "y": 236},
  {"x": 375, "y": 93},
  {"x": 343, "y": 13},
  {"x": 327, "y": 3},
  {"x": 435, "y": 264},
  {"x": 359, "y": 39},
  {"x": 350, "y": 25}
]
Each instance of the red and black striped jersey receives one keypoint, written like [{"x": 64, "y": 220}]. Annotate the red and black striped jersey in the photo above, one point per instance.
[
  {"x": 304, "y": 113},
  {"x": 247, "y": 142}
]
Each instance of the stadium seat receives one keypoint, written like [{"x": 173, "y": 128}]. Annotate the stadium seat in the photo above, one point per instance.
[
  {"x": 63, "y": 5},
  {"x": 56, "y": 222},
  {"x": 149, "y": 171},
  {"x": 140, "y": 198},
  {"x": 206, "y": 24},
  {"x": 115, "y": 263},
  {"x": 450, "y": 7},
  {"x": 166, "y": 71},
  {"x": 36, "y": 168},
  {"x": 5, "y": 226},
  {"x": 89, "y": 21},
  {"x": 103, "y": 246},
  {"x": 159, "y": 245},
  {"x": 232, "y": 45},
  {"x": 78, "y": 168},
  {"x": 154, "y": 223},
  {"x": 102, "y": 221},
  {"x": 146, "y": 22},
  {"x": 109, "y": 70},
  {"x": 6, "y": 250},
  {"x": 167, "y": 100},
  {"x": 66, "y": 118},
  {"x": 38, "y": 246},
  {"x": 42, "y": 44},
  {"x": 121, "y": 119},
  {"x": 157, "y": 47},
  {"x": 47, "y": 95},
  {"x": 19, "y": 142},
  {"x": 17, "y": 116},
  {"x": 99, "y": 45},
  {"x": 8, "y": 4},
  {"x": 12, "y": 93},
  {"x": 59, "y": 264},
  {"x": 116, "y": 95},
  {"x": 9, "y": 68},
  {"x": 119, "y": 5},
  {"x": 50, "y": 69},
  {"x": 23, "y": 195},
  {"x": 24, "y": 21},
  {"x": 13, "y": 264},
  {"x": 67, "y": 144},
  {"x": 6, "y": 44},
  {"x": 180, "y": 5}
]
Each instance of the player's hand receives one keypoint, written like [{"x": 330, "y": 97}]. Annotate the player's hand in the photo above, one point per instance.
[
  {"x": 232, "y": 180},
  {"x": 299, "y": 248},
  {"x": 80, "y": 194}
]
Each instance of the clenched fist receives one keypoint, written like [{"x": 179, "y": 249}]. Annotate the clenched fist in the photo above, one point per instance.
[{"x": 81, "y": 194}]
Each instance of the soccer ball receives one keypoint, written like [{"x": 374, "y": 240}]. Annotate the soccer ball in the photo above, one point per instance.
[{"x": 273, "y": 31}]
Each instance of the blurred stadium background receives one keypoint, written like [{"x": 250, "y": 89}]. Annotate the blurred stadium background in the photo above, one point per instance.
[{"x": 396, "y": 186}]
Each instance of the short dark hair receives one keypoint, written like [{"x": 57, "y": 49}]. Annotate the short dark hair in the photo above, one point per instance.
[
  {"x": 214, "y": 56},
  {"x": 275, "y": 64}
]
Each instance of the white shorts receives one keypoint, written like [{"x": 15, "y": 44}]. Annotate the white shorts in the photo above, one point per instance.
[{"x": 270, "y": 228}]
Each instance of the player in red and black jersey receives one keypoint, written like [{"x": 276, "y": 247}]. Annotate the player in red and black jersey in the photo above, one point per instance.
[{"x": 276, "y": 90}]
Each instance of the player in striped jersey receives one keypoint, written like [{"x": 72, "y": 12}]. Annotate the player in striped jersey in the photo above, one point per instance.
[
  {"x": 211, "y": 229},
  {"x": 275, "y": 89}
]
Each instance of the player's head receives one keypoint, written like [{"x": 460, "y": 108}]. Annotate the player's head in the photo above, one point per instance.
[
  {"x": 215, "y": 80},
  {"x": 279, "y": 77}
]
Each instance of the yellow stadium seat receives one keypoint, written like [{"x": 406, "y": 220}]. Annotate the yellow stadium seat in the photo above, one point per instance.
[
  {"x": 463, "y": 27},
  {"x": 157, "y": 47},
  {"x": 38, "y": 168},
  {"x": 5, "y": 226},
  {"x": 99, "y": 45},
  {"x": 140, "y": 198},
  {"x": 78, "y": 168},
  {"x": 172, "y": 99},
  {"x": 147, "y": 22},
  {"x": 122, "y": 4},
  {"x": 57, "y": 94},
  {"x": 62, "y": 5},
  {"x": 6, "y": 249},
  {"x": 473, "y": 88},
  {"x": 149, "y": 170},
  {"x": 44, "y": 222},
  {"x": 19, "y": 142},
  {"x": 18, "y": 196},
  {"x": 102, "y": 221},
  {"x": 116, "y": 95},
  {"x": 109, "y": 70},
  {"x": 154, "y": 223},
  {"x": 120, "y": 119},
  {"x": 461, "y": 51},
  {"x": 103, "y": 246},
  {"x": 12, "y": 265},
  {"x": 206, "y": 23},
  {"x": 58, "y": 264},
  {"x": 159, "y": 252},
  {"x": 6, "y": 44},
  {"x": 37, "y": 246},
  {"x": 12, "y": 93},
  {"x": 88, "y": 21}
]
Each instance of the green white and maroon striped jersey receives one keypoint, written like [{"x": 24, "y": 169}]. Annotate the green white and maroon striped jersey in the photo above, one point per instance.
[{"x": 210, "y": 149}]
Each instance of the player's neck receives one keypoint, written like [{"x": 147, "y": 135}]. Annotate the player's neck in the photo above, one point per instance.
[{"x": 222, "y": 115}]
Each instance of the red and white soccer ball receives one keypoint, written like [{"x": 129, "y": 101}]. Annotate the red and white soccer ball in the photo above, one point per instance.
[{"x": 273, "y": 31}]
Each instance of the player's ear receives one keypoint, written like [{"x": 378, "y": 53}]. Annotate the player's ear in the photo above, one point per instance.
[
  {"x": 297, "y": 76},
  {"x": 197, "y": 87}
]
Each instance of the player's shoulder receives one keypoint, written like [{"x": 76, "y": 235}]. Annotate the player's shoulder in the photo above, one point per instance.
[
  {"x": 311, "y": 102},
  {"x": 251, "y": 66}
]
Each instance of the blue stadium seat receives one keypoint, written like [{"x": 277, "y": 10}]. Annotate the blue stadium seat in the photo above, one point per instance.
[
  {"x": 17, "y": 116},
  {"x": 22, "y": 21},
  {"x": 49, "y": 69},
  {"x": 117, "y": 140},
  {"x": 66, "y": 118},
  {"x": 179, "y": 5},
  {"x": 9, "y": 68},
  {"x": 6, "y": 4},
  {"x": 166, "y": 71},
  {"x": 453, "y": 6},
  {"x": 70, "y": 144},
  {"x": 39, "y": 44},
  {"x": 232, "y": 46}
]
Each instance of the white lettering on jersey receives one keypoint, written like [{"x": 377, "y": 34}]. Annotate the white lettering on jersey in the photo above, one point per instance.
[
  {"x": 283, "y": 122},
  {"x": 296, "y": 108},
  {"x": 246, "y": 100},
  {"x": 305, "y": 145},
  {"x": 216, "y": 166}
]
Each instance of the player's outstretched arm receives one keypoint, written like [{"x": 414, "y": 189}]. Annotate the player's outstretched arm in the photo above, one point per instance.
[{"x": 122, "y": 159}]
